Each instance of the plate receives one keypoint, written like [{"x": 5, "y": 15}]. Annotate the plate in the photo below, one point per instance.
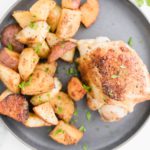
[{"x": 118, "y": 19}]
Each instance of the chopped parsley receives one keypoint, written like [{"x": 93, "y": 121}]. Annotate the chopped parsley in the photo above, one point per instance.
[
  {"x": 23, "y": 84},
  {"x": 114, "y": 76},
  {"x": 59, "y": 110},
  {"x": 59, "y": 97},
  {"x": 82, "y": 129},
  {"x": 88, "y": 116},
  {"x": 74, "y": 121},
  {"x": 59, "y": 131},
  {"x": 85, "y": 147},
  {"x": 10, "y": 47},
  {"x": 46, "y": 69},
  {"x": 87, "y": 88},
  {"x": 34, "y": 60},
  {"x": 38, "y": 48},
  {"x": 122, "y": 66},
  {"x": 72, "y": 71},
  {"x": 48, "y": 95},
  {"x": 130, "y": 41},
  {"x": 48, "y": 28},
  {"x": 148, "y": 2},
  {"x": 33, "y": 25},
  {"x": 76, "y": 112}
]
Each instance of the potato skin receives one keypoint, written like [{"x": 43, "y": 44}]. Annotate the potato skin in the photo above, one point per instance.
[
  {"x": 8, "y": 37},
  {"x": 15, "y": 106},
  {"x": 4, "y": 94},
  {"x": 71, "y": 4},
  {"x": 75, "y": 89}
]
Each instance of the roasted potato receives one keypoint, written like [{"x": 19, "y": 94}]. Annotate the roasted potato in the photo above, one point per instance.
[
  {"x": 27, "y": 63},
  {"x": 89, "y": 11},
  {"x": 66, "y": 134},
  {"x": 45, "y": 97},
  {"x": 53, "y": 18},
  {"x": 34, "y": 121},
  {"x": 10, "y": 78},
  {"x": 60, "y": 49},
  {"x": 42, "y": 49},
  {"x": 9, "y": 58},
  {"x": 8, "y": 37},
  {"x": 71, "y": 4},
  {"x": 24, "y": 18},
  {"x": 40, "y": 82},
  {"x": 35, "y": 32},
  {"x": 5, "y": 94},
  {"x": 69, "y": 23},
  {"x": 15, "y": 106},
  {"x": 75, "y": 89},
  {"x": 46, "y": 112},
  {"x": 41, "y": 8}
]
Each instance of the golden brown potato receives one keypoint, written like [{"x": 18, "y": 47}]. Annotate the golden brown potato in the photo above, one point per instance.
[
  {"x": 15, "y": 106},
  {"x": 9, "y": 58},
  {"x": 46, "y": 112},
  {"x": 45, "y": 97},
  {"x": 71, "y": 4},
  {"x": 34, "y": 121},
  {"x": 75, "y": 89},
  {"x": 41, "y": 49},
  {"x": 27, "y": 63},
  {"x": 10, "y": 78},
  {"x": 69, "y": 23},
  {"x": 5, "y": 94},
  {"x": 66, "y": 134},
  {"x": 41, "y": 8},
  {"x": 35, "y": 32},
  {"x": 60, "y": 49},
  {"x": 89, "y": 12},
  {"x": 53, "y": 18}
]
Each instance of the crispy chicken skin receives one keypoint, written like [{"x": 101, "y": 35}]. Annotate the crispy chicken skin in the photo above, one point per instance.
[
  {"x": 15, "y": 106},
  {"x": 118, "y": 78}
]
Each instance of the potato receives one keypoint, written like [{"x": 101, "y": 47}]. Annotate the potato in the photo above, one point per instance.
[
  {"x": 10, "y": 78},
  {"x": 69, "y": 23},
  {"x": 45, "y": 97},
  {"x": 75, "y": 89},
  {"x": 41, "y": 8},
  {"x": 68, "y": 56},
  {"x": 60, "y": 49},
  {"x": 5, "y": 94},
  {"x": 24, "y": 18},
  {"x": 9, "y": 58},
  {"x": 42, "y": 49},
  {"x": 27, "y": 63},
  {"x": 63, "y": 106},
  {"x": 53, "y": 17},
  {"x": 34, "y": 33},
  {"x": 46, "y": 112},
  {"x": 71, "y": 4},
  {"x": 34, "y": 121},
  {"x": 40, "y": 82},
  {"x": 89, "y": 11},
  {"x": 66, "y": 134}
]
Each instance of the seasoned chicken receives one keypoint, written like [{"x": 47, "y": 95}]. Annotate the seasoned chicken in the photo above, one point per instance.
[{"x": 117, "y": 76}]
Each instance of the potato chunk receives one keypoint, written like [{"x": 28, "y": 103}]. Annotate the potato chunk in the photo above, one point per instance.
[
  {"x": 27, "y": 63},
  {"x": 69, "y": 23},
  {"x": 71, "y": 4},
  {"x": 89, "y": 11},
  {"x": 66, "y": 134},
  {"x": 4, "y": 94},
  {"x": 46, "y": 112},
  {"x": 41, "y": 8},
  {"x": 10, "y": 78}
]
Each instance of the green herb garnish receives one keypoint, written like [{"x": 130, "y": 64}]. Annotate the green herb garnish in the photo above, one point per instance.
[
  {"x": 59, "y": 97},
  {"x": 85, "y": 147},
  {"x": 47, "y": 69},
  {"x": 130, "y": 41},
  {"x": 50, "y": 129},
  {"x": 23, "y": 84},
  {"x": 114, "y": 76},
  {"x": 88, "y": 116},
  {"x": 76, "y": 112},
  {"x": 148, "y": 2},
  {"x": 82, "y": 129},
  {"x": 59, "y": 110},
  {"x": 33, "y": 25},
  {"x": 72, "y": 71},
  {"x": 10, "y": 47},
  {"x": 87, "y": 88},
  {"x": 58, "y": 131},
  {"x": 139, "y": 2},
  {"x": 38, "y": 48},
  {"x": 48, "y": 94},
  {"x": 34, "y": 60}
]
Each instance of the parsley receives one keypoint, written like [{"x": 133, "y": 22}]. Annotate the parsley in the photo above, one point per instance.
[
  {"x": 72, "y": 71},
  {"x": 74, "y": 121},
  {"x": 87, "y": 88},
  {"x": 148, "y": 2},
  {"x": 82, "y": 129},
  {"x": 23, "y": 84},
  {"x": 88, "y": 116},
  {"x": 139, "y": 2},
  {"x": 34, "y": 60},
  {"x": 59, "y": 97},
  {"x": 58, "y": 131},
  {"x": 48, "y": 95},
  {"x": 130, "y": 41},
  {"x": 85, "y": 147},
  {"x": 114, "y": 76},
  {"x": 76, "y": 112},
  {"x": 10, "y": 47},
  {"x": 47, "y": 69},
  {"x": 123, "y": 66},
  {"x": 59, "y": 110},
  {"x": 48, "y": 28},
  {"x": 50, "y": 129},
  {"x": 33, "y": 25},
  {"x": 38, "y": 48}
]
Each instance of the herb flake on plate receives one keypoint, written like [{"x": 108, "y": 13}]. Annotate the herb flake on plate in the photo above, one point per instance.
[{"x": 82, "y": 128}]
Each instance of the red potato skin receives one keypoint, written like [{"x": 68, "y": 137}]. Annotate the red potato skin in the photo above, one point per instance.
[
  {"x": 59, "y": 49},
  {"x": 15, "y": 106},
  {"x": 74, "y": 4},
  {"x": 8, "y": 37}
]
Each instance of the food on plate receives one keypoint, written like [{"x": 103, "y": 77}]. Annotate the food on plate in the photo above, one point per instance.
[
  {"x": 34, "y": 121},
  {"x": 60, "y": 49},
  {"x": 10, "y": 78},
  {"x": 46, "y": 112},
  {"x": 45, "y": 97},
  {"x": 117, "y": 83},
  {"x": 75, "y": 89},
  {"x": 9, "y": 58},
  {"x": 35, "y": 32},
  {"x": 8, "y": 37},
  {"x": 69, "y": 23},
  {"x": 41, "y": 9},
  {"x": 15, "y": 106},
  {"x": 5, "y": 94},
  {"x": 53, "y": 17},
  {"x": 89, "y": 12},
  {"x": 42, "y": 49},
  {"x": 71, "y": 4},
  {"x": 66, "y": 134}
]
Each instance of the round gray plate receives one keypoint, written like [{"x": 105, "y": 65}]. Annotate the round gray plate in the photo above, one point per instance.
[{"x": 118, "y": 19}]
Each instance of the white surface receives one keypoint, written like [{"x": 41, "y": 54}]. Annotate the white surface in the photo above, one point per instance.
[{"x": 8, "y": 142}]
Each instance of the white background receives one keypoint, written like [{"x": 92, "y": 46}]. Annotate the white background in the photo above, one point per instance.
[{"x": 140, "y": 141}]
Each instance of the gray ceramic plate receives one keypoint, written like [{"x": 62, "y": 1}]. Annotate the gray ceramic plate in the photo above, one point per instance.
[{"x": 118, "y": 19}]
